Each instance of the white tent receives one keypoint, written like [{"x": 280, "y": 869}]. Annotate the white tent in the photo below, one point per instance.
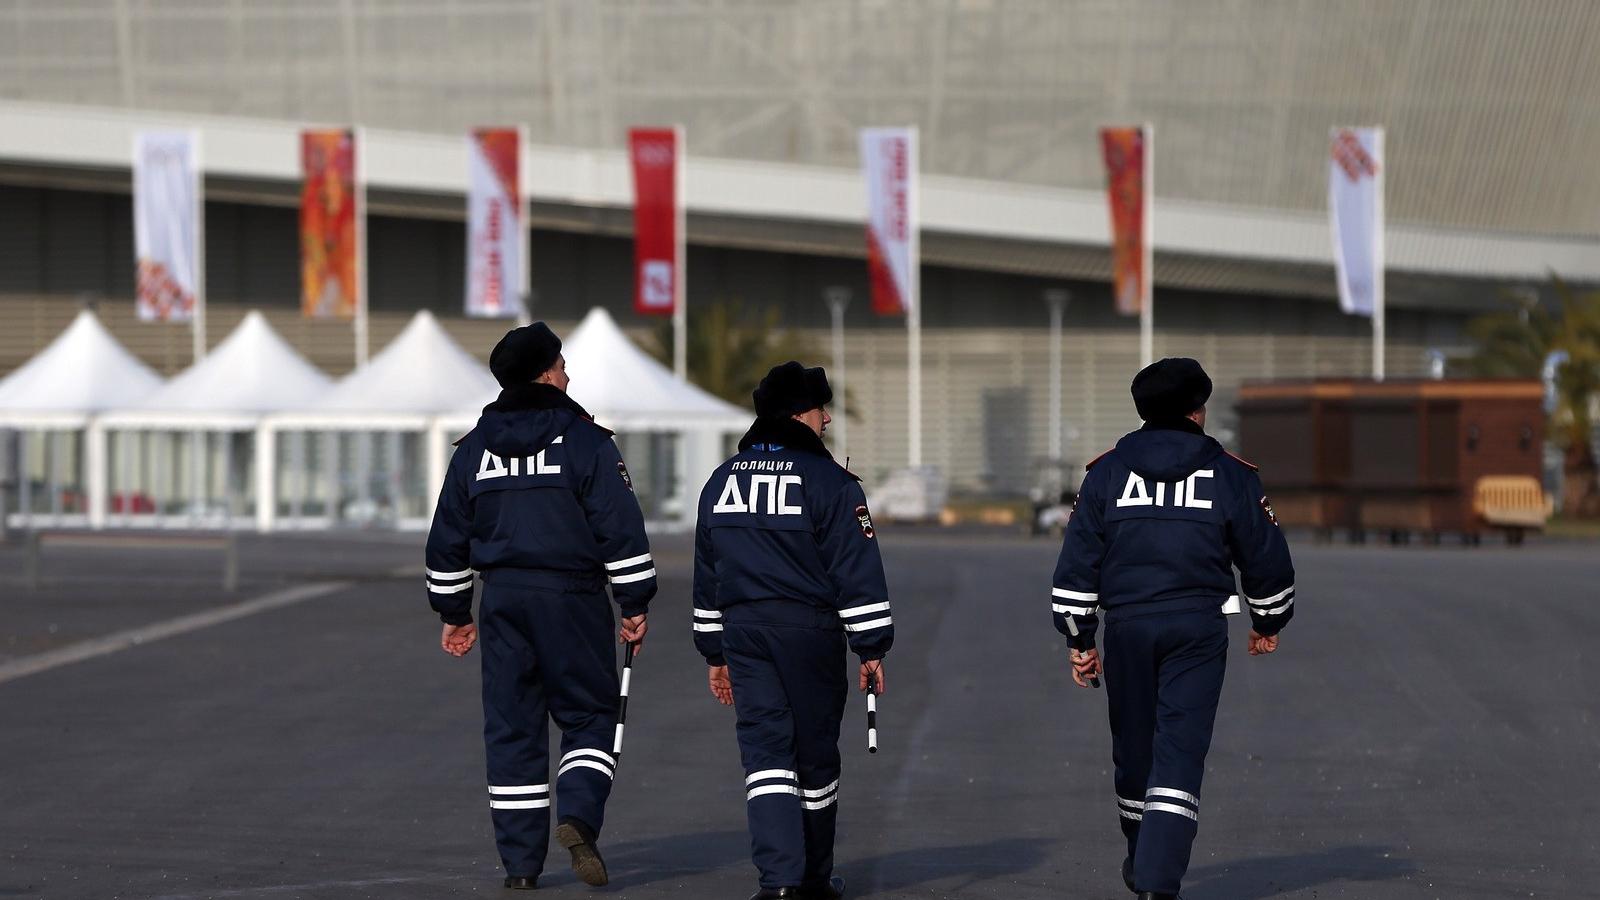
[
  {"x": 627, "y": 389},
  {"x": 49, "y": 402},
  {"x": 368, "y": 450},
  {"x": 199, "y": 450},
  {"x": 672, "y": 433}
]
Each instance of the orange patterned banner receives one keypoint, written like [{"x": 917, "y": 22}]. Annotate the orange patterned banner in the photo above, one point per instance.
[
  {"x": 329, "y": 249},
  {"x": 1124, "y": 150}
]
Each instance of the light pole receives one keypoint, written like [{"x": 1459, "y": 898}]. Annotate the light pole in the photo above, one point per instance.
[
  {"x": 838, "y": 297},
  {"x": 1057, "y": 298}
]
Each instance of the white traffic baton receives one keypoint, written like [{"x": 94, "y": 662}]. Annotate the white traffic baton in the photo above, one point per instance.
[
  {"x": 622, "y": 703},
  {"x": 872, "y": 712}
]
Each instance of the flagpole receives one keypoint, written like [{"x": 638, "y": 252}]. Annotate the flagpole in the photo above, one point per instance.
[
  {"x": 1147, "y": 302},
  {"x": 197, "y": 321},
  {"x": 1378, "y": 291},
  {"x": 358, "y": 164},
  {"x": 838, "y": 298},
  {"x": 680, "y": 295},
  {"x": 525, "y": 212},
  {"x": 914, "y": 295},
  {"x": 1057, "y": 298}
]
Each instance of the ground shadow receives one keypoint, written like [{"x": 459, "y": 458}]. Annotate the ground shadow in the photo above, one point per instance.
[
  {"x": 968, "y": 864},
  {"x": 641, "y": 862},
  {"x": 1270, "y": 876}
]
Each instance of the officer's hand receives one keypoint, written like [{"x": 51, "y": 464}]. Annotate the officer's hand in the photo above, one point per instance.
[
  {"x": 874, "y": 668},
  {"x": 721, "y": 686},
  {"x": 457, "y": 640},
  {"x": 1084, "y": 665},
  {"x": 1261, "y": 645},
  {"x": 632, "y": 632}
]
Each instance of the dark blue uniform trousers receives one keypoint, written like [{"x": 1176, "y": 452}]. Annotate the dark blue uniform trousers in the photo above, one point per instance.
[
  {"x": 789, "y": 693},
  {"x": 1163, "y": 680},
  {"x": 548, "y": 650}
]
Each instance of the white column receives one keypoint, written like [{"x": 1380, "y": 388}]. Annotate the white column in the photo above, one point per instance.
[
  {"x": 838, "y": 298},
  {"x": 97, "y": 465},
  {"x": 266, "y": 481}
]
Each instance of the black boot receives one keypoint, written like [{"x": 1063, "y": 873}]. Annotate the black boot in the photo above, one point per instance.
[
  {"x": 783, "y": 893},
  {"x": 586, "y": 862},
  {"x": 522, "y": 882},
  {"x": 833, "y": 890},
  {"x": 1127, "y": 874}
]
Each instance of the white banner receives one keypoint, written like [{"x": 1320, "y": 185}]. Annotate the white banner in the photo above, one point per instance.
[
  {"x": 496, "y": 268},
  {"x": 889, "y": 160},
  {"x": 1355, "y": 210},
  {"x": 166, "y": 225}
]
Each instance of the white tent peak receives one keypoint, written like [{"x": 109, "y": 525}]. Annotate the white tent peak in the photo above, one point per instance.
[
  {"x": 423, "y": 370},
  {"x": 253, "y": 370},
  {"x": 624, "y": 387},
  {"x": 84, "y": 370}
]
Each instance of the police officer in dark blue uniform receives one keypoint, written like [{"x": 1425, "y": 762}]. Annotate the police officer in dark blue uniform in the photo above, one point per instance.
[
  {"x": 538, "y": 502},
  {"x": 787, "y": 573},
  {"x": 1161, "y": 521}
]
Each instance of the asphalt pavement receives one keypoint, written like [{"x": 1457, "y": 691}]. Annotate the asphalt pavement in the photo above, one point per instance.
[{"x": 1428, "y": 730}]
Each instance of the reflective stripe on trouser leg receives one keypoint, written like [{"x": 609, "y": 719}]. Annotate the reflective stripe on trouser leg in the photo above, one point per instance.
[
  {"x": 813, "y": 673},
  {"x": 578, "y": 649},
  {"x": 1131, "y": 701},
  {"x": 766, "y": 731},
  {"x": 514, "y": 730},
  {"x": 1189, "y": 662}
]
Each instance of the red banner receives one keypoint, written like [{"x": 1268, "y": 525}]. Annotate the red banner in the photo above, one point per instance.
[
  {"x": 657, "y": 157},
  {"x": 889, "y": 162},
  {"x": 328, "y": 221},
  {"x": 1125, "y": 151}
]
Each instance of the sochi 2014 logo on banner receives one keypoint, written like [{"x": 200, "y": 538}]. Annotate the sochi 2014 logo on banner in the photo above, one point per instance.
[
  {"x": 864, "y": 519},
  {"x": 656, "y": 155},
  {"x": 166, "y": 215}
]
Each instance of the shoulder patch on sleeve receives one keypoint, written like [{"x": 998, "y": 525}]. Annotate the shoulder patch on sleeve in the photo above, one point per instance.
[
  {"x": 1243, "y": 462},
  {"x": 1097, "y": 459},
  {"x": 864, "y": 519},
  {"x": 1266, "y": 507},
  {"x": 622, "y": 469}
]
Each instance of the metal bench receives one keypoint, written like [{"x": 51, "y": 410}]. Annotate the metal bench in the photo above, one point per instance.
[{"x": 1513, "y": 503}]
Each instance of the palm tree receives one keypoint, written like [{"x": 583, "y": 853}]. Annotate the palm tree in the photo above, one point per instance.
[
  {"x": 1516, "y": 343},
  {"x": 730, "y": 349}
]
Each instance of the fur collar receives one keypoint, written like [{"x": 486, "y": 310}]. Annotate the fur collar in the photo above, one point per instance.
[
  {"x": 784, "y": 432},
  {"x": 1183, "y": 424}
]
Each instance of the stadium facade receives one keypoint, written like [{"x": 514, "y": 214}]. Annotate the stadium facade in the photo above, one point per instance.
[{"x": 1491, "y": 108}]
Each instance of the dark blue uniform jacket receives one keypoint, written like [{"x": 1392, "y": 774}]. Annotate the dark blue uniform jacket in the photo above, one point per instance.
[
  {"x": 1160, "y": 524},
  {"x": 783, "y": 525},
  {"x": 537, "y": 491}
]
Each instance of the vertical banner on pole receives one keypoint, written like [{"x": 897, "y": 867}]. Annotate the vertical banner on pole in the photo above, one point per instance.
[
  {"x": 1355, "y": 212},
  {"x": 1124, "y": 151},
  {"x": 166, "y": 226},
  {"x": 656, "y": 155},
  {"x": 330, "y": 284},
  {"x": 889, "y": 162},
  {"x": 496, "y": 246}
]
